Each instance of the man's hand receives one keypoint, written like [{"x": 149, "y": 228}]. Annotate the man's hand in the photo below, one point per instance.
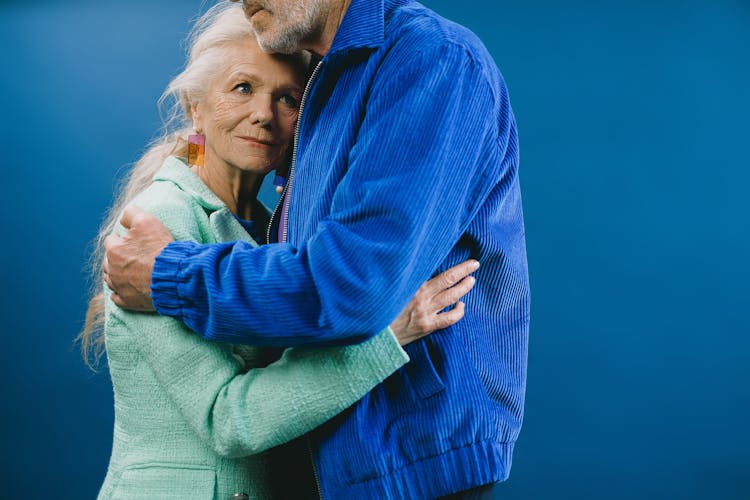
[
  {"x": 129, "y": 260},
  {"x": 423, "y": 315}
]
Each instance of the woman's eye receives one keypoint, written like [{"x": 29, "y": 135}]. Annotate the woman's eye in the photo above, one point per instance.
[
  {"x": 243, "y": 88},
  {"x": 290, "y": 101}
]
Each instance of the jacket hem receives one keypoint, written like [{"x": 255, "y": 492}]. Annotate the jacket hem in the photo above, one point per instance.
[{"x": 456, "y": 470}]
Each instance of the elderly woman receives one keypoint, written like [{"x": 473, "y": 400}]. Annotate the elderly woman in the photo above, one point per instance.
[{"x": 194, "y": 419}]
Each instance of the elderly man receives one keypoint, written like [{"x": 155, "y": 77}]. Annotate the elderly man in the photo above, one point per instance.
[{"x": 406, "y": 163}]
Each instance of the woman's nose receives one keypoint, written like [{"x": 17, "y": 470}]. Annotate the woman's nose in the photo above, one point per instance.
[{"x": 262, "y": 113}]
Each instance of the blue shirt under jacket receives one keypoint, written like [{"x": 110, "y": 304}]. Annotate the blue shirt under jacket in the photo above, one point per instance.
[{"x": 407, "y": 165}]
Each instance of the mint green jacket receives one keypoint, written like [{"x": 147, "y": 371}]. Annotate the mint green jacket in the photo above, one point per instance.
[{"x": 193, "y": 419}]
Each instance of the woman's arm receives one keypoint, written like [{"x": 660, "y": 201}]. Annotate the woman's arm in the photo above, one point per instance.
[{"x": 239, "y": 414}]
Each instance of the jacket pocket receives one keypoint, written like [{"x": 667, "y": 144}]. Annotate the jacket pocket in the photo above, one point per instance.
[
  {"x": 146, "y": 482},
  {"x": 421, "y": 370}
]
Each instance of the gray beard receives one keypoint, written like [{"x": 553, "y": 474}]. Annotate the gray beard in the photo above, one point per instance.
[{"x": 287, "y": 40}]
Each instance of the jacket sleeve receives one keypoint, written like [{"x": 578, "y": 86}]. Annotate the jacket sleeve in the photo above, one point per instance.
[
  {"x": 240, "y": 413},
  {"x": 433, "y": 144}
]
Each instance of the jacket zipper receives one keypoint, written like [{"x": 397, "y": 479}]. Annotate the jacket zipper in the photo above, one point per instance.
[
  {"x": 288, "y": 186},
  {"x": 286, "y": 228},
  {"x": 279, "y": 206},
  {"x": 314, "y": 469}
]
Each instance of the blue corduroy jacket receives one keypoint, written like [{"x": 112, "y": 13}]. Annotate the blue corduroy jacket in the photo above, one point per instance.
[{"x": 407, "y": 164}]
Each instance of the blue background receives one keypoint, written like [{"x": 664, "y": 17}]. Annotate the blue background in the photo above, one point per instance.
[{"x": 634, "y": 131}]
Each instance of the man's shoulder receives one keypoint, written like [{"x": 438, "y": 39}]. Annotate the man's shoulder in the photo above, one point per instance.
[
  {"x": 415, "y": 29},
  {"x": 425, "y": 29}
]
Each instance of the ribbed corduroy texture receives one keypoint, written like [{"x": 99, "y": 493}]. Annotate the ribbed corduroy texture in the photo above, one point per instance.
[
  {"x": 408, "y": 164},
  {"x": 186, "y": 410}
]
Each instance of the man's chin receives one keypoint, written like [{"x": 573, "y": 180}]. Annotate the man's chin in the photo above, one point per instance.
[
  {"x": 272, "y": 45},
  {"x": 263, "y": 35}
]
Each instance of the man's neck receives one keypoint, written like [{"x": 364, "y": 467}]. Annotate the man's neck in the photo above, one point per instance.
[{"x": 333, "y": 19}]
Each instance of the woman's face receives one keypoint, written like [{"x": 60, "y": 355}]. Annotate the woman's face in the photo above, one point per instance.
[{"x": 250, "y": 109}]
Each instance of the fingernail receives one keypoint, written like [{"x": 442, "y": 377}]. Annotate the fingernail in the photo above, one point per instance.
[{"x": 475, "y": 264}]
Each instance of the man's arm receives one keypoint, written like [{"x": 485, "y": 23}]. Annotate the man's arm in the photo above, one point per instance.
[{"x": 419, "y": 172}]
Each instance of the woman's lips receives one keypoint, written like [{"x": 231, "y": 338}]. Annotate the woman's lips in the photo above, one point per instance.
[{"x": 259, "y": 143}]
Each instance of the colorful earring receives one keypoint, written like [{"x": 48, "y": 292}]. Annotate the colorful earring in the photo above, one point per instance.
[{"x": 196, "y": 150}]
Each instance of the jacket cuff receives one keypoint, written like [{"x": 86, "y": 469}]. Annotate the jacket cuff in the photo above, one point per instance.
[
  {"x": 167, "y": 277},
  {"x": 391, "y": 355}
]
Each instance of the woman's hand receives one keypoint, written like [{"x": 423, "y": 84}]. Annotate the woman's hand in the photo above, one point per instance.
[{"x": 423, "y": 315}]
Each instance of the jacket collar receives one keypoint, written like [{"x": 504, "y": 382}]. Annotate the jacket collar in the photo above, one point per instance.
[
  {"x": 174, "y": 170},
  {"x": 224, "y": 225},
  {"x": 363, "y": 26}
]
